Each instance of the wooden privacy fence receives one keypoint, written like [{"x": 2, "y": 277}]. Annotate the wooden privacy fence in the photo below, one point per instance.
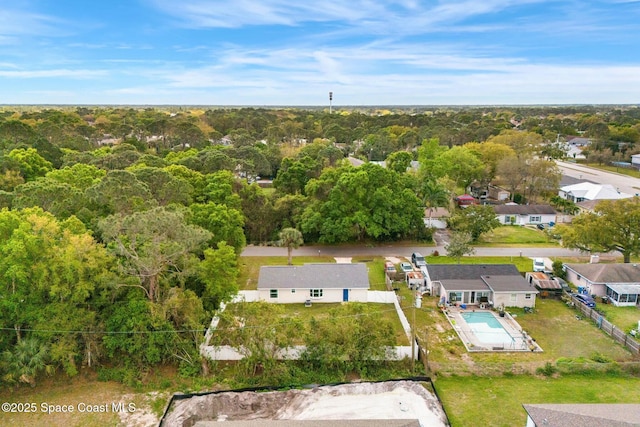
[{"x": 609, "y": 328}]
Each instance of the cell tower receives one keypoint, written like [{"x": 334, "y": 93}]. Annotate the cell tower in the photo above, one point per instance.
[{"x": 330, "y": 101}]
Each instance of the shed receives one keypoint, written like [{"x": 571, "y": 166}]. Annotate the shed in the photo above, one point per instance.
[{"x": 547, "y": 286}]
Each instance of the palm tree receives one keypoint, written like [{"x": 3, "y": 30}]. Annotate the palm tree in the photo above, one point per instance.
[
  {"x": 291, "y": 239},
  {"x": 27, "y": 359},
  {"x": 434, "y": 195}
]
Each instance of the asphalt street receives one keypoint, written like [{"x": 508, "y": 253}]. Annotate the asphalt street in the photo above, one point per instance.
[
  {"x": 623, "y": 183},
  {"x": 404, "y": 251}
]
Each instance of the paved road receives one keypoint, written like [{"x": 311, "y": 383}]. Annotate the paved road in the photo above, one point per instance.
[
  {"x": 623, "y": 183},
  {"x": 404, "y": 251}
]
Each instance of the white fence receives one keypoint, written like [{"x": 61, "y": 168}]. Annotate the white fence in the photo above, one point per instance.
[{"x": 226, "y": 352}]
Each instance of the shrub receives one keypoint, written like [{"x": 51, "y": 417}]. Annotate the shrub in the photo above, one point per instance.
[
  {"x": 600, "y": 358},
  {"x": 548, "y": 370}
]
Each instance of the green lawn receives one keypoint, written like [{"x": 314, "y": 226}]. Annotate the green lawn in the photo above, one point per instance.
[
  {"x": 320, "y": 310},
  {"x": 625, "y": 318},
  {"x": 562, "y": 336},
  {"x": 375, "y": 267},
  {"x": 523, "y": 264},
  {"x": 497, "y": 401},
  {"x": 516, "y": 236},
  {"x": 323, "y": 310}
]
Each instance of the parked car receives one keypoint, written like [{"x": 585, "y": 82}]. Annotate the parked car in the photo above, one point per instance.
[
  {"x": 586, "y": 300},
  {"x": 540, "y": 226},
  {"x": 418, "y": 260},
  {"x": 405, "y": 267},
  {"x": 538, "y": 264}
]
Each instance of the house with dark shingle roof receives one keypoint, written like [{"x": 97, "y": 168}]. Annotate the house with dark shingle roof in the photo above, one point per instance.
[
  {"x": 313, "y": 282},
  {"x": 525, "y": 214},
  {"x": 478, "y": 284},
  {"x": 619, "y": 282},
  {"x": 580, "y": 415}
]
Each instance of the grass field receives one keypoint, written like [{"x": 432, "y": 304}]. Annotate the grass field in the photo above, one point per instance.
[
  {"x": 382, "y": 311},
  {"x": 516, "y": 236},
  {"x": 523, "y": 264},
  {"x": 77, "y": 395},
  {"x": 497, "y": 401},
  {"x": 625, "y": 318}
]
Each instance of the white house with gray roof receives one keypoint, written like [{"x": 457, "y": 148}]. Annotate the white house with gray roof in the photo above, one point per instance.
[
  {"x": 512, "y": 214},
  {"x": 619, "y": 282},
  {"x": 286, "y": 284}
]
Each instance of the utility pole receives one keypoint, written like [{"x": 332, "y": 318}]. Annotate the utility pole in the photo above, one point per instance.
[
  {"x": 330, "y": 101},
  {"x": 417, "y": 303},
  {"x": 413, "y": 339}
]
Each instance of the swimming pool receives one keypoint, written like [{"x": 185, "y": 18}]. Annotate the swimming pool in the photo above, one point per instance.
[{"x": 488, "y": 329}]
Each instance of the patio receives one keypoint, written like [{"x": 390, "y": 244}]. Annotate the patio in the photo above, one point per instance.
[{"x": 474, "y": 338}]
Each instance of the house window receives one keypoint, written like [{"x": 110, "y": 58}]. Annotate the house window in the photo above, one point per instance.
[
  {"x": 527, "y": 296},
  {"x": 536, "y": 218},
  {"x": 455, "y": 296},
  {"x": 293, "y": 291},
  {"x": 316, "y": 293},
  {"x": 273, "y": 293}
]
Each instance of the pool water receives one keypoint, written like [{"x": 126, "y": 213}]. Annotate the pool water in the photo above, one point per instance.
[{"x": 487, "y": 329}]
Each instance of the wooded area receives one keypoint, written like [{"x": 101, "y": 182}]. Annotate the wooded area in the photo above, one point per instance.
[{"x": 121, "y": 227}]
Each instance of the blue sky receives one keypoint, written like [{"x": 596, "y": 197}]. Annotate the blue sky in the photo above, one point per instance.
[{"x": 282, "y": 52}]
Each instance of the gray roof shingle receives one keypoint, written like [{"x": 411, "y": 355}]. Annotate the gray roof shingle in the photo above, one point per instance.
[
  {"x": 524, "y": 210},
  {"x": 314, "y": 276},
  {"x": 470, "y": 271},
  {"x": 608, "y": 273},
  {"x": 478, "y": 277},
  {"x": 579, "y": 415}
]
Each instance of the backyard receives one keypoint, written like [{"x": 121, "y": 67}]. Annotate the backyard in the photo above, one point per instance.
[
  {"x": 303, "y": 314},
  {"x": 497, "y": 401},
  {"x": 579, "y": 364}
]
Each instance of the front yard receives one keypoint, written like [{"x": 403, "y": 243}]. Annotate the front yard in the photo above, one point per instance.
[{"x": 516, "y": 236}]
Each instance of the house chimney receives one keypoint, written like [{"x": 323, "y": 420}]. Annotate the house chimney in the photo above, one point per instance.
[{"x": 595, "y": 259}]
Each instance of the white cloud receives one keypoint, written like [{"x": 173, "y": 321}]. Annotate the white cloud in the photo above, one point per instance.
[
  {"x": 19, "y": 23},
  {"x": 46, "y": 74},
  {"x": 358, "y": 13},
  {"x": 222, "y": 13}
]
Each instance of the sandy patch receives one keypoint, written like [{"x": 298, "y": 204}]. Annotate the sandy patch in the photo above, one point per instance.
[{"x": 359, "y": 401}]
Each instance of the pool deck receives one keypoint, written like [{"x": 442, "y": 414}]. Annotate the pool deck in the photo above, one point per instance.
[{"x": 522, "y": 342}]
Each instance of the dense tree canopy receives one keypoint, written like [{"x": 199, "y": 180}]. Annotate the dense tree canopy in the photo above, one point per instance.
[
  {"x": 614, "y": 225},
  {"x": 368, "y": 202},
  {"x": 123, "y": 225}
]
